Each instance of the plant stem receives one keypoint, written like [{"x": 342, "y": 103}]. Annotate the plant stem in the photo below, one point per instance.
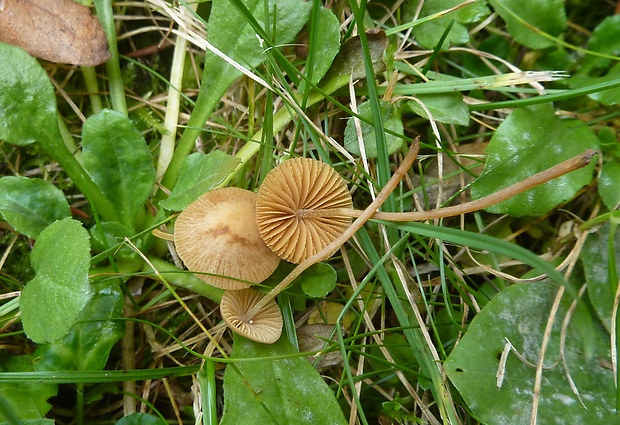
[
  {"x": 166, "y": 149},
  {"x": 92, "y": 86},
  {"x": 556, "y": 171},
  {"x": 330, "y": 249},
  {"x": 117, "y": 87}
]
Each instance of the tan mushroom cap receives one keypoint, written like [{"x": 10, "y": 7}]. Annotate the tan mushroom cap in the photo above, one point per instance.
[
  {"x": 217, "y": 234},
  {"x": 286, "y": 201},
  {"x": 264, "y": 327}
]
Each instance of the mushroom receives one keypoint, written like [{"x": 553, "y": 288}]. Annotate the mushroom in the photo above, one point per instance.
[
  {"x": 289, "y": 205},
  {"x": 273, "y": 213},
  {"x": 217, "y": 238},
  {"x": 264, "y": 326}
]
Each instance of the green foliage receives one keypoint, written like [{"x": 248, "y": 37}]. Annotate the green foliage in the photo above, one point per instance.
[
  {"x": 447, "y": 108},
  {"x": 526, "y": 19},
  {"x": 285, "y": 390},
  {"x": 87, "y": 345},
  {"x": 318, "y": 280},
  {"x": 405, "y": 320},
  {"x": 391, "y": 122},
  {"x": 429, "y": 33},
  {"x": 30, "y": 205},
  {"x": 119, "y": 162},
  {"x": 24, "y": 401},
  {"x": 531, "y": 140},
  {"x": 601, "y": 248},
  {"x": 518, "y": 316},
  {"x": 199, "y": 174},
  {"x": 27, "y": 99},
  {"x": 50, "y": 302},
  {"x": 323, "y": 48}
]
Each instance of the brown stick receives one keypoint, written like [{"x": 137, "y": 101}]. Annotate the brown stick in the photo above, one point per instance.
[{"x": 556, "y": 171}]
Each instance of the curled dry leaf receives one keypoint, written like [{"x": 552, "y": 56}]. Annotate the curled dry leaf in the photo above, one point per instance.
[{"x": 58, "y": 31}]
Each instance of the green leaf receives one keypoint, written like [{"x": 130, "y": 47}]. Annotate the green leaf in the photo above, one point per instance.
[
  {"x": 285, "y": 391},
  {"x": 428, "y": 34},
  {"x": 318, "y": 280},
  {"x": 24, "y": 400},
  {"x": 609, "y": 184},
  {"x": 326, "y": 48},
  {"x": 595, "y": 259},
  {"x": 531, "y": 140},
  {"x": 119, "y": 162},
  {"x": 519, "y": 314},
  {"x": 524, "y": 17},
  {"x": 447, "y": 108},
  {"x": 199, "y": 174},
  {"x": 391, "y": 123},
  {"x": 604, "y": 39},
  {"x": 88, "y": 344},
  {"x": 141, "y": 419},
  {"x": 109, "y": 234},
  {"x": 30, "y": 205},
  {"x": 27, "y": 99},
  {"x": 50, "y": 302},
  {"x": 607, "y": 97}
]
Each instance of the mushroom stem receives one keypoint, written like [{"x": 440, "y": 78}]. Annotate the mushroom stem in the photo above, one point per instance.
[
  {"x": 556, "y": 171},
  {"x": 331, "y": 248},
  {"x": 370, "y": 212}
]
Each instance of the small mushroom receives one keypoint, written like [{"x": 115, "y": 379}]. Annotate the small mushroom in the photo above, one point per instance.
[
  {"x": 289, "y": 205},
  {"x": 216, "y": 237},
  {"x": 264, "y": 326}
]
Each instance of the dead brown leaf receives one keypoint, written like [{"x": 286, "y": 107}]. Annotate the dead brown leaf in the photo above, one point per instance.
[{"x": 55, "y": 30}]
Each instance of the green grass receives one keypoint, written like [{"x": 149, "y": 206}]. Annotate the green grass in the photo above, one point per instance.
[{"x": 406, "y": 293}]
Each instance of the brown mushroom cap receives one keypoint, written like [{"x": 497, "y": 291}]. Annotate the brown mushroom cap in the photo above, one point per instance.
[
  {"x": 265, "y": 326},
  {"x": 217, "y": 234},
  {"x": 286, "y": 201}
]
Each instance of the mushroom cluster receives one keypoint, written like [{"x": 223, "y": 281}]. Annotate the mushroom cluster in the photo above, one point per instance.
[{"x": 233, "y": 238}]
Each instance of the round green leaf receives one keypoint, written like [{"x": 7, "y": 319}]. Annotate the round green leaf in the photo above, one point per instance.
[
  {"x": 531, "y": 140},
  {"x": 27, "y": 99},
  {"x": 523, "y": 17},
  {"x": 519, "y": 315},
  {"x": 391, "y": 123},
  {"x": 318, "y": 280},
  {"x": 50, "y": 302},
  {"x": 30, "y": 205}
]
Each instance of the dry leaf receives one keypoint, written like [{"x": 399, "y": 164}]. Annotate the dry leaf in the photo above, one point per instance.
[
  {"x": 55, "y": 30},
  {"x": 312, "y": 338}
]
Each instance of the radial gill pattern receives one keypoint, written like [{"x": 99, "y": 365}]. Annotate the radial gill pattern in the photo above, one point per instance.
[
  {"x": 265, "y": 326},
  {"x": 293, "y": 209}
]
